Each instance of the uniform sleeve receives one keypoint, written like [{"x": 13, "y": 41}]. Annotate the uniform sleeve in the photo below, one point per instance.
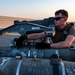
[{"x": 72, "y": 31}]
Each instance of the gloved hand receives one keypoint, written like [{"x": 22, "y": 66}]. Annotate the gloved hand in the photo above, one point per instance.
[
  {"x": 19, "y": 41},
  {"x": 50, "y": 32},
  {"x": 43, "y": 45}
]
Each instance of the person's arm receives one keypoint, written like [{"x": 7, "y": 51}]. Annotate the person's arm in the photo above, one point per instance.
[
  {"x": 64, "y": 44},
  {"x": 36, "y": 36}
]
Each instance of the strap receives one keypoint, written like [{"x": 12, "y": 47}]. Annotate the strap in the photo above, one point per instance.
[
  {"x": 65, "y": 30},
  {"x": 56, "y": 70},
  {"x": 55, "y": 63}
]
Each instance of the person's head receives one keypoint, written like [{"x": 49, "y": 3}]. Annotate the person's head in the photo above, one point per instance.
[{"x": 61, "y": 17}]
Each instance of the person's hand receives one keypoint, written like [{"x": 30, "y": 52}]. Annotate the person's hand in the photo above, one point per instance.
[
  {"x": 50, "y": 32},
  {"x": 43, "y": 45}
]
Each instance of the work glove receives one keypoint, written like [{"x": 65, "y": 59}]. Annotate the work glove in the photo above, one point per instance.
[
  {"x": 50, "y": 32},
  {"x": 43, "y": 45},
  {"x": 19, "y": 41}
]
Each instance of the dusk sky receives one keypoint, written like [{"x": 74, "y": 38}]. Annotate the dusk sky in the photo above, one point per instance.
[{"x": 36, "y": 9}]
